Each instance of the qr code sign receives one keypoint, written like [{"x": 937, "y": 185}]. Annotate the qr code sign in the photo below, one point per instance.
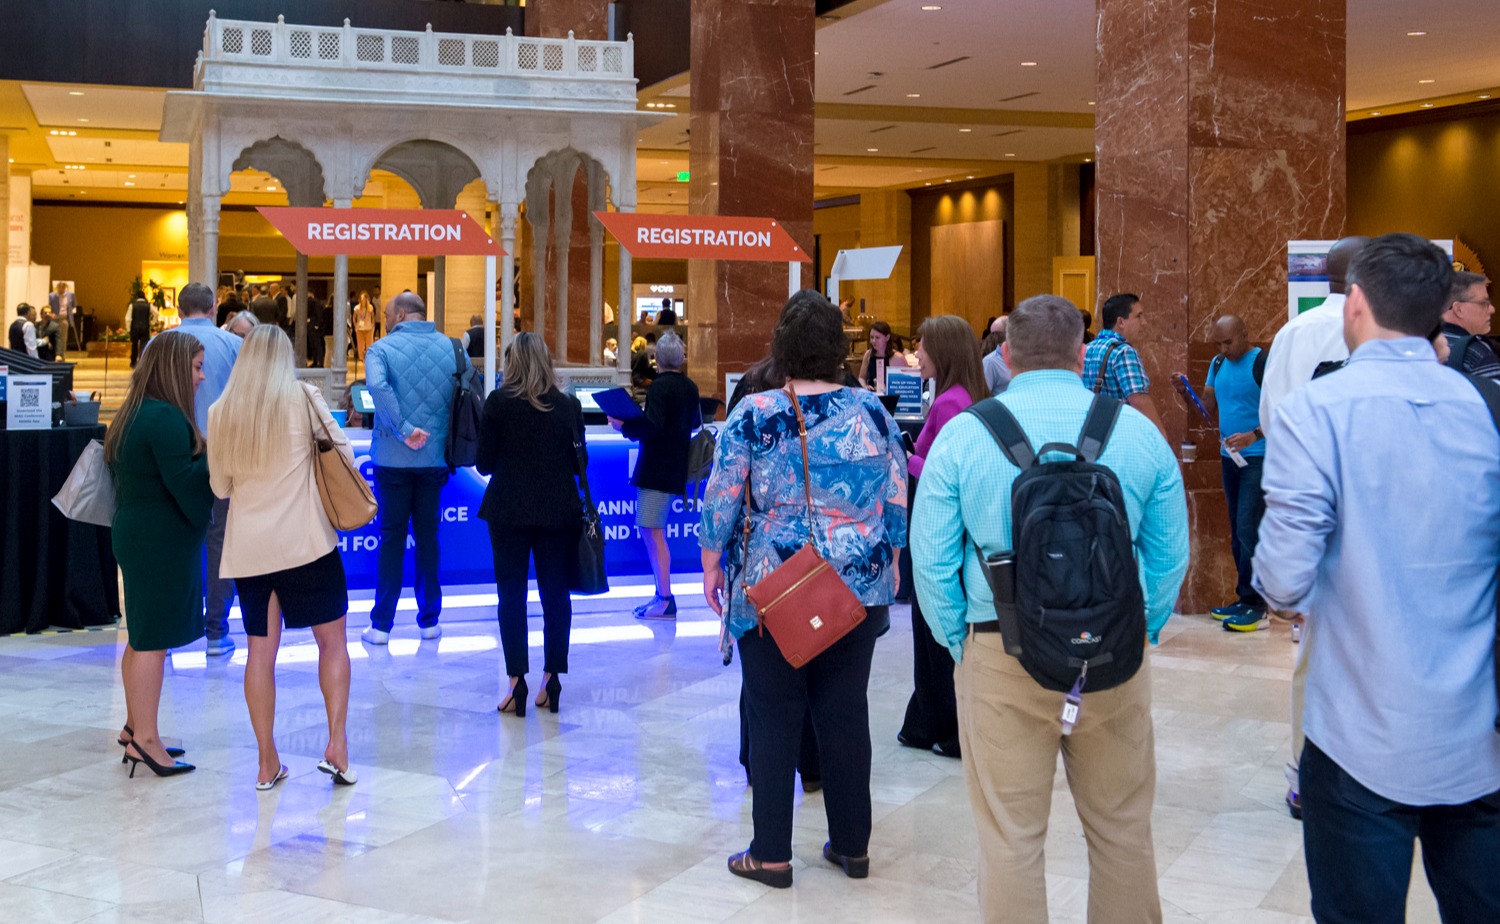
[{"x": 31, "y": 399}]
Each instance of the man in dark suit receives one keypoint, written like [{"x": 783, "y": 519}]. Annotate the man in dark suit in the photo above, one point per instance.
[{"x": 261, "y": 306}]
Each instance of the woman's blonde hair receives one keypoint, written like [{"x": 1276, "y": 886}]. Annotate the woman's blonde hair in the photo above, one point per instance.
[
  {"x": 528, "y": 370},
  {"x": 165, "y": 373},
  {"x": 247, "y": 429}
]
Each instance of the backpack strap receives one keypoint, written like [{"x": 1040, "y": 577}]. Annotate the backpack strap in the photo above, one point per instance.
[
  {"x": 1216, "y": 365},
  {"x": 1258, "y": 368},
  {"x": 458, "y": 362},
  {"x": 1456, "y": 351},
  {"x": 1104, "y": 364},
  {"x": 1097, "y": 427},
  {"x": 1489, "y": 390},
  {"x": 1006, "y": 431}
]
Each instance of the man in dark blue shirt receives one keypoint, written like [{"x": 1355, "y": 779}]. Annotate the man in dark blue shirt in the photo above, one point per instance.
[
  {"x": 1232, "y": 393},
  {"x": 1466, "y": 323}
]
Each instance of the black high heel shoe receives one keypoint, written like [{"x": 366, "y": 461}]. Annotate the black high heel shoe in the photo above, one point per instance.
[
  {"x": 516, "y": 701},
  {"x": 159, "y": 769},
  {"x": 171, "y": 752},
  {"x": 550, "y": 694}
]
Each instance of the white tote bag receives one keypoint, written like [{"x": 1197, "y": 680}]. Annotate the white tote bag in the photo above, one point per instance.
[{"x": 88, "y": 495}]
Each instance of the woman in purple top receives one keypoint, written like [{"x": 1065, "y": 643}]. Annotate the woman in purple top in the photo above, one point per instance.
[{"x": 948, "y": 354}]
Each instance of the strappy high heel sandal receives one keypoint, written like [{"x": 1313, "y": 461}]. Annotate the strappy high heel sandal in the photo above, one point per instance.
[
  {"x": 516, "y": 701},
  {"x": 550, "y": 694}
]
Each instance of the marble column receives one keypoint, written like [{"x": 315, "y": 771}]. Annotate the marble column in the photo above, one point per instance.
[
  {"x": 208, "y": 239},
  {"x": 751, "y": 154},
  {"x": 1220, "y": 134},
  {"x": 338, "y": 375},
  {"x": 439, "y": 279},
  {"x": 586, "y": 19},
  {"x": 563, "y": 213},
  {"x": 509, "y": 225},
  {"x": 300, "y": 307},
  {"x": 596, "y": 203},
  {"x": 5, "y": 301}
]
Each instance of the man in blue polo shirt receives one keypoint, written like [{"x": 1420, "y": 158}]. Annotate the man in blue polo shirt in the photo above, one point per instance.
[{"x": 1232, "y": 393}]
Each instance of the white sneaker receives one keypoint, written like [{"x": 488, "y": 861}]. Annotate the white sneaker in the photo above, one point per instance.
[
  {"x": 374, "y": 636},
  {"x": 430, "y": 632}
]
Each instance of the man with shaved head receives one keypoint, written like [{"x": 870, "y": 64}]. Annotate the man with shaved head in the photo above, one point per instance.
[{"x": 1232, "y": 395}]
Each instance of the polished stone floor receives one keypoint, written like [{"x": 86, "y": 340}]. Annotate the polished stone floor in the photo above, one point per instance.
[{"x": 622, "y": 808}]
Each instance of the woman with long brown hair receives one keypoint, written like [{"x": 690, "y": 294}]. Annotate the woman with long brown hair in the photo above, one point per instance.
[
  {"x": 161, "y": 520},
  {"x": 531, "y": 444},
  {"x": 948, "y": 354},
  {"x": 885, "y": 347}
]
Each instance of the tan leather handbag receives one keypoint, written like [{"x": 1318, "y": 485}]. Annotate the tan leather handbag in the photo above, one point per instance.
[
  {"x": 804, "y": 602},
  {"x": 347, "y": 498}
]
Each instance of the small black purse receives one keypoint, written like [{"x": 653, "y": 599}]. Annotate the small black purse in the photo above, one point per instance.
[{"x": 587, "y": 575}]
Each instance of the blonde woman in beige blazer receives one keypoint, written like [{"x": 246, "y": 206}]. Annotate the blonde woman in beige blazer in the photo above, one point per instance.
[{"x": 278, "y": 544}]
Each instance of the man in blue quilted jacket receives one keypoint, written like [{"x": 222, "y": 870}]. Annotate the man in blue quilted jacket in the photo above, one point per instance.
[{"x": 410, "y": 374}]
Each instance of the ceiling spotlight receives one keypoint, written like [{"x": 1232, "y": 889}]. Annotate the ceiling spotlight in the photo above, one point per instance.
[
  {"x": 83, "y": 120},
  {"x": 1088, "y": 160},
  {"x": 1010, "y": 155},
  {"x": 1028, "y": 64},
  {"x": 1483, "y": 96},
  {"x": 131, "y": 176},
  {"x": 1416, "y": 33},
  {"x": 966, "y": 129},
  {"x": 931, "y": 8},
  {"x": 913, "y": 96},
  {"x": 75, "y": 92},
  {"x": 1091, "y": 102},
  {"x": 872, "y": 150},
  {"x": 1374, "y": 113},
  {"x": 128, "y": 183},
  {"x": 1429, "y": 80},
  {"x": 928, "y": 183},
  {"x": 1427, "y": 105},
  {"x": 969, "y": 177}
]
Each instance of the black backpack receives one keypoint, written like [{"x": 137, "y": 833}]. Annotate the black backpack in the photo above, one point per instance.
[
  {"x": 464, "y": 416},
  {"x": 1072, "y": 609}
]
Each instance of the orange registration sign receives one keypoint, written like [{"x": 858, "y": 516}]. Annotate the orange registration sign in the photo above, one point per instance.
[
  {"x": 702, "y": 237},
  {"x": 382, "y": 232}
]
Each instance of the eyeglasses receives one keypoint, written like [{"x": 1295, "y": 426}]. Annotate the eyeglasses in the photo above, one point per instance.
[{"x": 1474, "y": 301}]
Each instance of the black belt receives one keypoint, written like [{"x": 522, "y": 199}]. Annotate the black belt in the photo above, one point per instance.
[{"x": 992, "y": 625}]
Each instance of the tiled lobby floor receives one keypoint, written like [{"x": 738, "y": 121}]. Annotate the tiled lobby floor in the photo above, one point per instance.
[{"x": 620, "y": 809}]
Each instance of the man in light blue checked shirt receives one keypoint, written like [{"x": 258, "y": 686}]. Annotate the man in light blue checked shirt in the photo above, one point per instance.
[{"x": 1009, "y": 726}]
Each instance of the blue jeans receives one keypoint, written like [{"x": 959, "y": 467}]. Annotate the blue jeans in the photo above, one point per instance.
[
  {"x": 1247, "y": 504},
  {"x": 1359, "y": 850},
  {"x": 408, "y": 496}
]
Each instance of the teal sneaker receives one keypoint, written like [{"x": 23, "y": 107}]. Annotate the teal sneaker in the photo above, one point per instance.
[
  {"x": 1250, "y": 620},
  {"x": 1224, "y": 612}
]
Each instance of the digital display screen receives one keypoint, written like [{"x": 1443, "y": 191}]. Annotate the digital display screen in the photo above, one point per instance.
[
  {"x": 361, "y": 399},
  {"x": 585, "y": 395},
  {"x": 646, "y": 309}
]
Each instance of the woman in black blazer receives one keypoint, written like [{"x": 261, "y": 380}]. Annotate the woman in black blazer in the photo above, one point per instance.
[{"x": 531, "y": 443}]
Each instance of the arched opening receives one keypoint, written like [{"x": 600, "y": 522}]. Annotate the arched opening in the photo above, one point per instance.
[{"x": 564, "y": 273}]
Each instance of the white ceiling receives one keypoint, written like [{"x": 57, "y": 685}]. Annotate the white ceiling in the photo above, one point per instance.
[{"x": 891, "y": 49}]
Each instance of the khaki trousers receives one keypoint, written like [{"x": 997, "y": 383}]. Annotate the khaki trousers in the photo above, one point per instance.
[
  {"x": 1299, "y": 700},
  {"x": 1010, "y": 730}
]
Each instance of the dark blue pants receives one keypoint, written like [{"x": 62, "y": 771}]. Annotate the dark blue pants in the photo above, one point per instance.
[
  {"x": 408, "y": 496},
  {"x": 835, "y": 686},
  {"x": 1359, "y": 850},
  {"x": 1247, "y": 504}
]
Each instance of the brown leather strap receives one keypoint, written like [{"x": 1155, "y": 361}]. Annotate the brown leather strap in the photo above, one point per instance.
[{"x": 802, "y": 435}]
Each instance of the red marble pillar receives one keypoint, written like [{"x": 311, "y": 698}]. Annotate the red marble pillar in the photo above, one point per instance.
[
  {"x": 586, "y": 19},
  {"x": 1220, "y": 134},
  {"x": 751, "y": 154}
]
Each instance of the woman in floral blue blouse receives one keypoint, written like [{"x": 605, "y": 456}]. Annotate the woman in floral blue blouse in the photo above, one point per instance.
[{"x": 858, "y": 523}]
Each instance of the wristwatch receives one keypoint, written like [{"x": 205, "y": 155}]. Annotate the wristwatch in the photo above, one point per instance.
[{"x": 1259, "y": 434}]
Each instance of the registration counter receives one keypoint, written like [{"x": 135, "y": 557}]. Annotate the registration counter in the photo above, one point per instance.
[{"x": 465, "y": 541}]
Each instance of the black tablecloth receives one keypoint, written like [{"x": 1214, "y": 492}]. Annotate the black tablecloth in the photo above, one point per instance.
[{"x": 53, "y": 571}]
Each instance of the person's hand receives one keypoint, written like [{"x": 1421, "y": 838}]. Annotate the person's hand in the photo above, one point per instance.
[
  {"x": 713, "y": 590},
  {"x": 614, "y": 423},
  {"x": 1239, "y": 441},
  {"x": 418, "y": 439},
  {"x": 1179, "y": 384}
]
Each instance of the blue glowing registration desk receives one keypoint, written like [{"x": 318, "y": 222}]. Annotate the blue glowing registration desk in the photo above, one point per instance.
[{"x": 465, "y": 539}]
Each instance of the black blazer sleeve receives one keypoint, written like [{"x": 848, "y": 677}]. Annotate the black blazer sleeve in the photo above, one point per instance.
[{"x": 487, "y": 454}]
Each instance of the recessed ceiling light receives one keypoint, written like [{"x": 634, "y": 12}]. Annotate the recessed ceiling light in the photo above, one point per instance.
[
  {"x": 1374, "y": 113},
  {"x": 1010, "y": 155},
  {"x": 83, "y": 120},
  {"x": 1088, "y": 160},
  {"x": 1416, "y": 33},
  {"x": 913, "y": 96},
  {"x": 872, "y": 150},
  {"x": 928, "y": 183},
  {"x": 1429, "y": 80},
  {"x": 75, "y": 92},
  {"x": 1028, "y": 64},
  {"x": 947, "y": 181},
  {"x": 969, "y": 177},
  {"x": 931, "y": 8},
  {"x": 966, "y": 129},
  {"x": 128, "y": 183},
  {"x": 131, "y": 176},
  {"x": 1427, "y": 105},
  {"x": 1483, "y": 96},
  {"x": 1091, "y": 102}
]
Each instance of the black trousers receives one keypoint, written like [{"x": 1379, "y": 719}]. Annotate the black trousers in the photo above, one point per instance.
[
  {"x": 315, "y": 346},
  {"x": 553, "y": 550},
  {"x": 137, "y": 344},
  {"x": 808, "y": 766},
  {"x": 834, "y": 686},
  {"x": 932, "y": 711}
]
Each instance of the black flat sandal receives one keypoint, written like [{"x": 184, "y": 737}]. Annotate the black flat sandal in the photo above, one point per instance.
[{"x": 747, "y": 867}]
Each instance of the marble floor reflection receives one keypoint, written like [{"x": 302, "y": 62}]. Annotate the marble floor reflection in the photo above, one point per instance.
[{"x": 621, "y": 808}]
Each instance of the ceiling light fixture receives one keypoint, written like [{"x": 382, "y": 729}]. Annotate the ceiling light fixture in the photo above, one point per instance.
[
  {"x": 913, "y": 96},
  {"x": 1483, "y": 96},
  {"x": 966, "y": 129},
  {"x": 1427, "y": 105},
  {"x": 1414, "y": 34},
  {"x": 1010, "y": 155},
  {"x": 1088, "y": 160},
  {"x": 1374, "y": 113},
  {"x": 931, "y": 8},
  {"x": 969, "y": 177},
  {"x": 75, "y": 92},
  {"x": 83, "y": 120},
  {"x": 128, "y": 183},
  {"x": 1429, "y": 80},
  {"x": 1028, "y": 64},
  {"x": 1091, "y": 102}
]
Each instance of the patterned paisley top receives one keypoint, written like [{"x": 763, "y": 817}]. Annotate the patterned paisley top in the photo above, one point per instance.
[{"x": 858, "y": 467}]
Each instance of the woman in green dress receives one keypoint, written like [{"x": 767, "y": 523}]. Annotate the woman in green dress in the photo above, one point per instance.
[{"x": 163, "y": 507}]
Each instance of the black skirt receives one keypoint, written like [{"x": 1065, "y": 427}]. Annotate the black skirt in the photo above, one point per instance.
[{"x": 309, "y": 594}]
